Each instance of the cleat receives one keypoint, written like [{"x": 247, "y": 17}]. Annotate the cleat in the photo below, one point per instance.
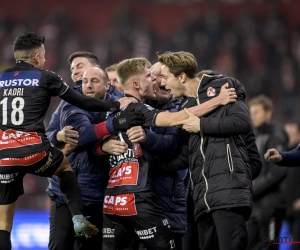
[{"x": 83, "y": 227}]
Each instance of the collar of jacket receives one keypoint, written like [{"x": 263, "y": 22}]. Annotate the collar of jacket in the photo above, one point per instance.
[
  {"x": 23, "y": 64},
  {"x": 78, "y": 82}
]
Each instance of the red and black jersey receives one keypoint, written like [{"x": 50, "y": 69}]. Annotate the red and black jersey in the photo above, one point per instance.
[
  {"x": 129, "y": 174},
  {"x": 25, "y": 95}
]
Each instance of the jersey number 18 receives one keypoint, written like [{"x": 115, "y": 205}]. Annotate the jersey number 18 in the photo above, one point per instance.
[{"x": 17, "y": 114}]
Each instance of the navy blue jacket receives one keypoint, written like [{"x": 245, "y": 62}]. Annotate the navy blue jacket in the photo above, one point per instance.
[
  {"x": 90, "y": 168},
  {"x": 290, "y": 158},
  {"x": 54, "y": 125},
  {"x": 169, "y": 186}
]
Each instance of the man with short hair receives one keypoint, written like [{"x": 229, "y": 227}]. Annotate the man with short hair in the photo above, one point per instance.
[
  {"x": 268, "y": 188},
  {"x": 91, "y": 171},
  {"x": 129, "y": 199},
  {"x": 112, "y": 74},
  {"x": 25, "y": 92},
  {"x": 219, "y": 164},
  {"x": 79, "y": 62}
]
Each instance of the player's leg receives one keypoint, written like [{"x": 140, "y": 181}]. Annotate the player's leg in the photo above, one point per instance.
[
  {"x": 61, "y": 235},
  {"x": 6, "y": 221},
  {"x": 11, "y": 187},
  {"x": 55, "y": 163}
]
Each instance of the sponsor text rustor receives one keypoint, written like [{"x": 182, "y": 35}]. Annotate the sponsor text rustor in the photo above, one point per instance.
[{"x": 19, "y": 82}]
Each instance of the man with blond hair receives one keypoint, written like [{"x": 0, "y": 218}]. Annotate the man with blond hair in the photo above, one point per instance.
[{"x": 129, "y": 202}]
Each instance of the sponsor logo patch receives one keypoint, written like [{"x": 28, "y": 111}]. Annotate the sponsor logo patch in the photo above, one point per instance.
[
  {"x": 211, "y": 91},
  {"x": 123, "y": 205}
]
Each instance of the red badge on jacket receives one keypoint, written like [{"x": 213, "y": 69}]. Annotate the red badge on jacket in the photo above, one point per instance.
[{"x": 211, "y": 91}]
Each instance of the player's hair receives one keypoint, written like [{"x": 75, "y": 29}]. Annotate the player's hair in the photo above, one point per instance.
[
  {"x": 204, "y": 72},
  {"x": 263, "y": 100},
  {"x": 179, "y": 62},
  {"x": 28, "y": 41},
  {"x": 92, "y": 58},
  {"x": 130, "y": 67},
  {"x": 112, "y": 67}
]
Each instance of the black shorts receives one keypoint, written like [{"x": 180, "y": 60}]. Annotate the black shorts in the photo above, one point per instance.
[
  {"x": 13, "y": 170},
  {"x": 149, "y": 224}
]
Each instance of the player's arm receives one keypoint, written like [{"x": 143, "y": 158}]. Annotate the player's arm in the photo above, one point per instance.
[
  {"x": 165, "y": 119},
  {"x": 93, "y": 104}
]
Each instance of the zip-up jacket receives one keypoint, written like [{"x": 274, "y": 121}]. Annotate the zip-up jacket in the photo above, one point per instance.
[
  {"x": 219, "y": 162},
  {"x": 91, "y": 169}
]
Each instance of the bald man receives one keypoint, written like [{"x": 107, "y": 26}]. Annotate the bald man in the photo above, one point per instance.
[{"x": 91, "y": 170}]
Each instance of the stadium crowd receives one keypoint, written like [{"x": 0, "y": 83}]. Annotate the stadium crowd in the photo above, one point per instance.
[{"x": 260, "y": 51}]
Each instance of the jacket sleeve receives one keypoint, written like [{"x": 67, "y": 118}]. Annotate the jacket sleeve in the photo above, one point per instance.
[
  {"x": 89, "y": 103},
  {"x": 161, "y": 144},
  {"x": 54, "y": 125},
  {"x": 235, "y": 121},
  {"x": 80, "y": 121},
  {"x": 290, "y": 158},
  {"x": 254, "y": 156}
]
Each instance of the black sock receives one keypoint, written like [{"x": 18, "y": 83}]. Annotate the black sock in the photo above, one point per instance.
[
  {"x": 69, "y": 187},
  {"x": 5, "y": 243}
]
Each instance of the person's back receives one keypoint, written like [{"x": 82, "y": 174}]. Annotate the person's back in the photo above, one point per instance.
[{"x": 25, "y": 84}]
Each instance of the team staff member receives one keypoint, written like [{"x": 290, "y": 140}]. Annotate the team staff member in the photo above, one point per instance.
[
  {"x": 79, "y": 62},
  {"x": 220, "y": 170},
  {"x": 25, "y": 91},
  {"x": 91, "y": 171}
]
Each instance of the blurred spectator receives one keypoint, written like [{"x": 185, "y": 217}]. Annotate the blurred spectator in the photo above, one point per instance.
[
  {"x": 112, "y": 75},
  {"x": 268, "y": 202}
]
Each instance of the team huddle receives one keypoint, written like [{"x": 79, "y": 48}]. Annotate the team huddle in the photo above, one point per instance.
[{"x": 198, "y": 155}]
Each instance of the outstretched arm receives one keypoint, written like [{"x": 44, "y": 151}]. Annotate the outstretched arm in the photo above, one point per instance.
[
  {"x": 93, "y": 104},
  {"x": 165, "y": 119},
  {"x": 289, "y": 159}
]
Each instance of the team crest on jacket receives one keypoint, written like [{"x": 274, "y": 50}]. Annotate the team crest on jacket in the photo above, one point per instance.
[{"x": 211, "y": 91}]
